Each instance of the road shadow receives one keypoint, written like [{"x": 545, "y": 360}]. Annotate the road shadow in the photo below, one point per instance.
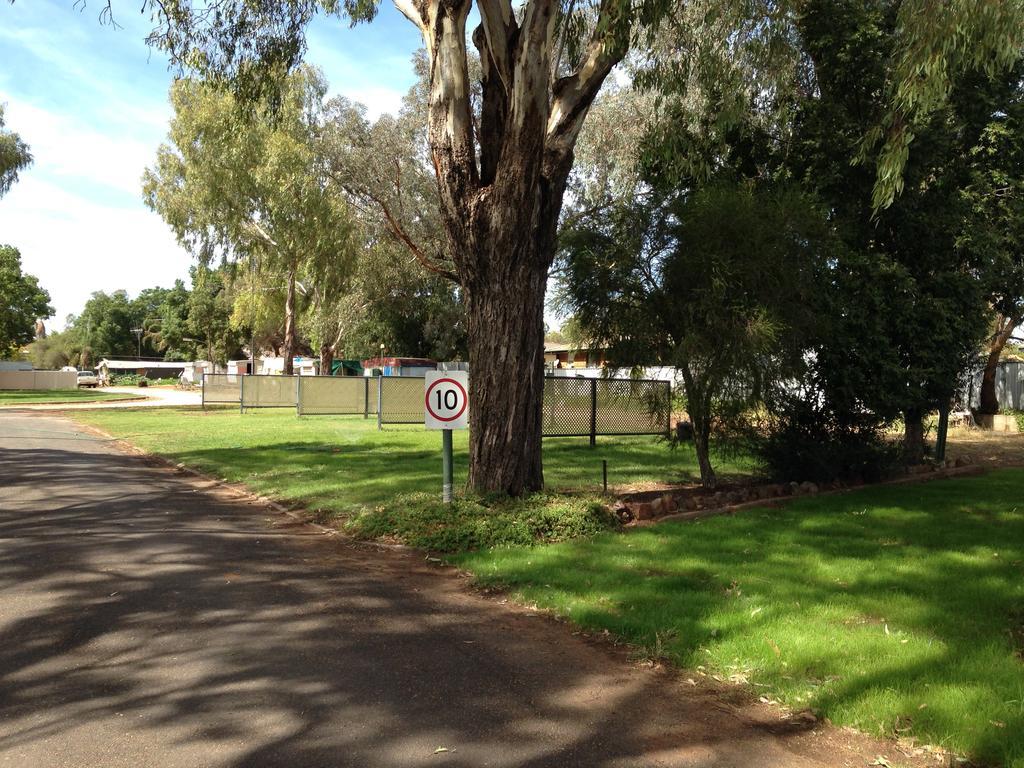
[{"x": 146, "y": 622}]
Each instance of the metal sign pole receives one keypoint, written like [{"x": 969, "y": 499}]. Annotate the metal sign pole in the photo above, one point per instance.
[
  {"x": 446, "y": 466},
  {"x": 380, "y": 400}
]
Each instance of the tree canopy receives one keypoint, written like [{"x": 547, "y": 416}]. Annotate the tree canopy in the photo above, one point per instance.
[
  {"x": 23, "y": 302},
  {"x": 249, "y": 186},
  {"x": 14, "y": 156}
]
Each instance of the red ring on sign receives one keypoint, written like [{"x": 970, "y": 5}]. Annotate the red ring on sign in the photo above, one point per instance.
[{"x": 465, "y": 400}]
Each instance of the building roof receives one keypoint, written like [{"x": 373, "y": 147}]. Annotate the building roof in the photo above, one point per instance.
[
  {"x": 557, "y": 346},
  {"x": 140, "y": 364}
]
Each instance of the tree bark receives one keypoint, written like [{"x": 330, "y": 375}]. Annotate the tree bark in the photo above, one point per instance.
[
  {"x": 1003, "y": 330},
  {"x": 506, "y": 362},
  {"x": 326, "y": 359},
  {"x": 913, "y": 437},
  {"x": 289, "y": 325}
]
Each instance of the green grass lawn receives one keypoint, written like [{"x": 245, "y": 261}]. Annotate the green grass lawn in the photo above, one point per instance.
[
  {"x": 33, "y": 396},
  {"x": 898, "y": 610},
  {"x": 387, "y": 484},
  {"x": 344, "y": 463}
]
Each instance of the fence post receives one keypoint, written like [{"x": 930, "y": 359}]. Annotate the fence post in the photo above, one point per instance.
[
  {"x": 593, "y": 412},
  {"x": 380, "y": 394},
  {"x": 241, "y": 393},
  {"x": 204, "y": 391},
  {"x": 668, "y": 409},
  {"x": 298, "y": 396},
  {"x": 366, "y": 397}
]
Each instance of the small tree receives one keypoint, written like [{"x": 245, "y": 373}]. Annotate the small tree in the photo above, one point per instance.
[{"x": 710, "y": 283}]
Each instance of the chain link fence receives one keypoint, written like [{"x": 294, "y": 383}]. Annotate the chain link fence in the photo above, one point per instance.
[
  {"x": 573, "y": 407},
  {"x": 592, "y": 407},
  {"x": 222, "y": 388},
  {"x": 401, "y": 400},
  {"x": 336, "y": 396},
  {"x": 269, "y": 391}
]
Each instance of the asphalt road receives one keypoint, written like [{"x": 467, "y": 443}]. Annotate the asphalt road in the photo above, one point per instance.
[{"x": 146, "y": 621}]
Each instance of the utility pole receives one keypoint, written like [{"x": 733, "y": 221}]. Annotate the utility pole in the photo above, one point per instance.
[{"x": 138, "y": 338}]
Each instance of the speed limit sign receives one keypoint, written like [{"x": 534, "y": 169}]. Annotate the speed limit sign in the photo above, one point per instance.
[{"x": 446, "y": 400}]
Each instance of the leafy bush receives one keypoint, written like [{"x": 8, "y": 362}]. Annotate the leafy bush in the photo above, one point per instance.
[
  {"x": 1019, "y": 416},
  {"x": 422, "y": 520},
  {"x": 801, "y": 442},
  {"x": 126, "y": 380}
]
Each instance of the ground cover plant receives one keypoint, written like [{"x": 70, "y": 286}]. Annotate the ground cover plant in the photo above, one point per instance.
[
  {"x": 386, "y": 484},
  {"x": 33, "y": 396},
  {"x": 895, "y": 609}
]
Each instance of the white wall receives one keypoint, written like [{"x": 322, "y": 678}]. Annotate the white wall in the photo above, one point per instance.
[{"x": 38, "y": 380}]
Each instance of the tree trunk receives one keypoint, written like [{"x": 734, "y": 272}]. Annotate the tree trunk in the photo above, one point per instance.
[
  {"x": 500, "y": 205},
  {"x": 506, "y": 384},
  {"x": 289, "y": 324},
  {"x": 702, "y": 445},
  {"x": 913, "y": 437},
  {"x": 1003, "y": 330},
  {"x": 699, "y": 411},
  {"x": 326, "y": 359}
]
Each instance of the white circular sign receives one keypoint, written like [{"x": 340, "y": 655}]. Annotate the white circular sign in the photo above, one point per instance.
[{"x": 446, "y": 400}]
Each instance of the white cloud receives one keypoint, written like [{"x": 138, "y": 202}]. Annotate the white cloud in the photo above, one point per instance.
[
  {"x": 65, "y": 147},
  {"x": 76, "y": 246}
]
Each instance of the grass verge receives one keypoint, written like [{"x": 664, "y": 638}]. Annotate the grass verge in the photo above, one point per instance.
[
  {"x": 898, "y": 610},
  {"x": 37, "y": 396},
  {"x": 386, "y": 484}
]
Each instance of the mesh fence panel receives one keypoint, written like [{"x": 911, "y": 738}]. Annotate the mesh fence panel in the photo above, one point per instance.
[
  {"x": 579, "y": 407},
  {"x": 323, "y": 395},
  {"x": 401, "y": 399},
  {"x": 632, "y": 407},
  {"x": 221, "y": 388},
  {"x": 567, "y": 407},
  {"x": 268, "y": 392}
]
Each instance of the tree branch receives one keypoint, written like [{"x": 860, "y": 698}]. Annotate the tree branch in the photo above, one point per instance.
[
  {"x": 408, "y": 9},
  {"x": 399, "y": 232},
  {"x": 499, "y": 26}
]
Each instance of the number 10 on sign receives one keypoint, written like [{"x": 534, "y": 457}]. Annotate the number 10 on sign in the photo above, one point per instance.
[{"x": 446, "y": 407}]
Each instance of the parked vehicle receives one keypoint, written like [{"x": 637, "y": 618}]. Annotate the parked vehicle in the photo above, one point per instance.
[{"x": 88, "y": 379}]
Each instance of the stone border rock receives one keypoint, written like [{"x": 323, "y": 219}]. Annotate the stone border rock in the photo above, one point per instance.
[{"x": 647, "y": 508}]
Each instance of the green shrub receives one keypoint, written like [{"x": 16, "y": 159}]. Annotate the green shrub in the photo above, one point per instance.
[
  {"x": 422, "y": 520},
  {"x": 1019, "y": 416},
  {"x": 126, "y": 380},
  {"x": 802, "y": 442}
]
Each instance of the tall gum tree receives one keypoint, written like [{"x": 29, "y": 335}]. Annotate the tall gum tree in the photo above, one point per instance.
[{"x": 501, "y": 178}]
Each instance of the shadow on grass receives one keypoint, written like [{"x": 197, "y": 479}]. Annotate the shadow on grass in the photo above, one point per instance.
[{"x": 890, "y": 609}]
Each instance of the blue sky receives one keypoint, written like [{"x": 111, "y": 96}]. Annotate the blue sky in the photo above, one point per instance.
[{"x": 91, "y": 101}]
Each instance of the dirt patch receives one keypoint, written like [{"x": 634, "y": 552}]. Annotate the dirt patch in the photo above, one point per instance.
[{"x": 989, "y": 449}]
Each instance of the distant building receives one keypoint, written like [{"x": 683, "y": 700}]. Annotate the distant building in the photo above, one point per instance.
[
  {"x": 558, "y": 355},
  {"x": 399, "y": 366},
  {"x": 151, "y": 369}
]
